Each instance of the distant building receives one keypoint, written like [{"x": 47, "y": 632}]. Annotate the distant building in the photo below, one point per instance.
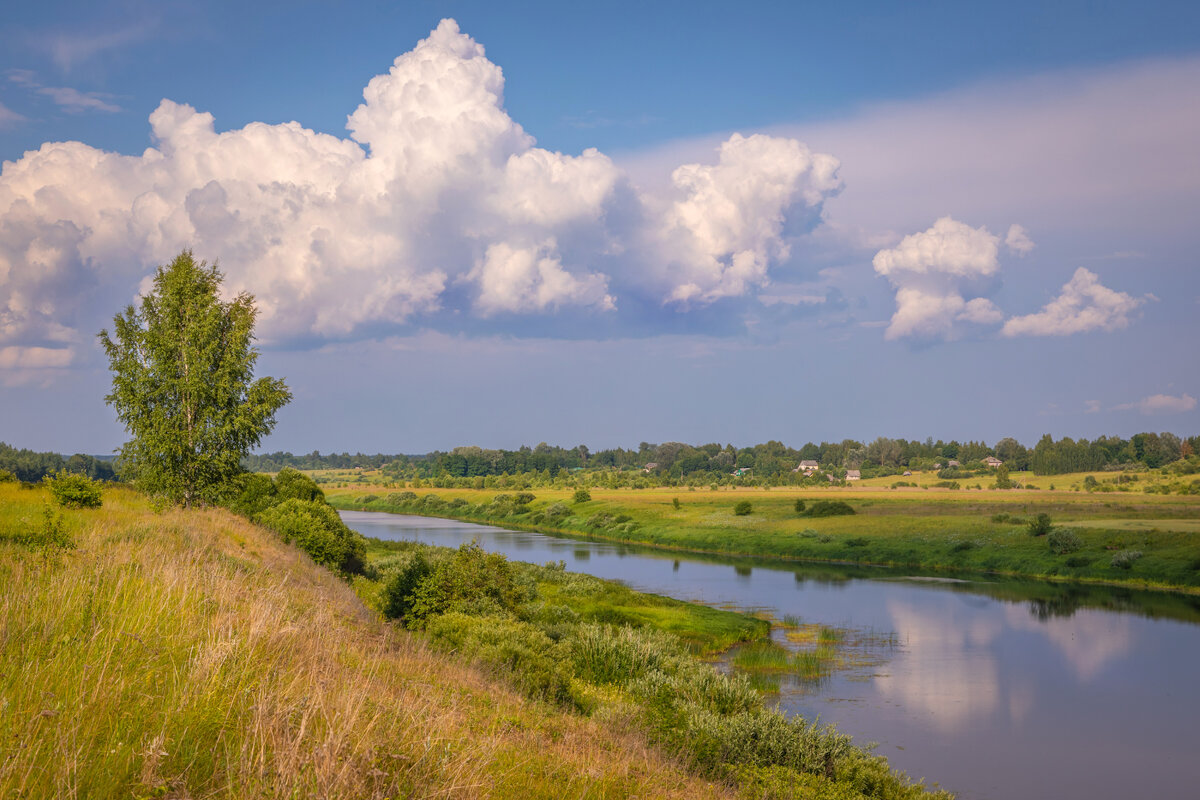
[
  {"x": 992, "y": 462},
  {"x": 807, "y": 467},
  {"x": 740, "y": 471},
  {"x": 853, "y": 475},
  {"x": 907, "y": 472},
  {"x": 953, "y": 463},
  {"x": 937, "y": 465},
  {"x": 653, "y": 465}
]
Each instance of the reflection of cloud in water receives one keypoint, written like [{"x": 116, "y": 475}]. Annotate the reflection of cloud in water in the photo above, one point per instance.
[
  {"x": 950, "y": 672},
  {"x": 1088, "y": 640}
]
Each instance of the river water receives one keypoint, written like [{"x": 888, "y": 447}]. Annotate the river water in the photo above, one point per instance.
[{"x": 996, "y": 690}]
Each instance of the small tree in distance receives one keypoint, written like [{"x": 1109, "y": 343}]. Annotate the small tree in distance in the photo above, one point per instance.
[{"x": 183, "y": 385}]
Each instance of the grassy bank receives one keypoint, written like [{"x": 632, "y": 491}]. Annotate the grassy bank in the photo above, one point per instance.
[
  {"x": 193, "y": 654},
  {"x": 1139, "y": 540},
  {"x": 187, "y": 654}
]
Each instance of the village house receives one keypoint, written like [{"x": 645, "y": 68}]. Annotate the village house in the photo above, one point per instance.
[
  {"x": 853, "y": 475},
  {"x": 740, "y": 471},
  {"x": 953, "y": 463},
  {"x": 653, "y": 465},
  {"x": 807, "y": 467},
  {"x": 992, "y": 461}
]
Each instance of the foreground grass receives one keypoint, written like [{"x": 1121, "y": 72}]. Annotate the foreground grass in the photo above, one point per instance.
[
  {"x": 917, "y": 528},
  {"x": 192, "y": 654}
]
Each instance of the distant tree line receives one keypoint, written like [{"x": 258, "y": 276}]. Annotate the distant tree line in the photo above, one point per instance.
[
  {"x": 771, "y": 462},
  {"x": 32, "y": 466}
]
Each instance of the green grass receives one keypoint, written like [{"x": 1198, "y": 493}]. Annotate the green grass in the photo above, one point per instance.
[
  {"x": 926, "y": 530},
  {"x": 193, "y": 654}
]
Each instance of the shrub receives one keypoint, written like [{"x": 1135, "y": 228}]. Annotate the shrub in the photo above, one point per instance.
[
  {"x": 829, "y": 508},
  {"x": 1078, "y": 561},
  {"x": 1063, "y": 541},
  {"x": 396, "y": 599},
  {"x": 292, "y": 484},
  {"x": 1040, "y": 525},
  {"x": 607, "y": 654},
  {"x": 7, "y": 477},
  {"x": 252, "y": 493},
  {"x": 556, "y": 511},
  {"x": 743, "y": 508},
  {"x": 1125, "y": 559},
  {"x": 470, "y": 581},
  {"x": 317, "y": 530},
  {"x": 523, "y": 653},
  {"x": 582, "y": 496},
  {"x": 74, "y": 491},
  {"x": 858, "y": 541},
  {"x": 675, "y": 502},
  {"x": 799, "y": 506}
]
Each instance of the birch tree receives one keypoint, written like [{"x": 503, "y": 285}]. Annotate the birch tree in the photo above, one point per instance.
[{"x": 183, "y": 384}]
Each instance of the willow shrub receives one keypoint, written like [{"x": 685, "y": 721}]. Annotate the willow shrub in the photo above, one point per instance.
[{"x": 317, "y": 529}]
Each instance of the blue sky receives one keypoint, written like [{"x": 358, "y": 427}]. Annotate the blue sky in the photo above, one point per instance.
[{"x": 475, "y": 223}]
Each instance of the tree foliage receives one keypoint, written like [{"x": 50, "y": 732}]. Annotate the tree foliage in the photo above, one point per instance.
[{"x": 183, "y": 384}]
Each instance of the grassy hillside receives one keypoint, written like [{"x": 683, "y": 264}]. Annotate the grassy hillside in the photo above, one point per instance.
[
  {"x": 1127, "y": 538},
  {"x": 194, "y": 655}
]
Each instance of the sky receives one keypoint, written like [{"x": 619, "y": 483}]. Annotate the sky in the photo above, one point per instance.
[{"x": 502, "y": 224}]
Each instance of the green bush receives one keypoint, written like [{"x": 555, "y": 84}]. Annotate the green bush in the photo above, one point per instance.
[
  {"x": 675, "y": 503},
  {"x": 396, "y": 599},
  {"x": 1125, "y": 559},
  {"x": 743, "y": 508},
  {"x": 829, "y": 508},
  {"x": 252, "y": 493},
  {"x": 582, "y": 496},
  {"x": 292, "y": 484},
  {"x": 74, "y": 491},
  {"x": 1063, "y": 541},
  {"x": 1040, "y": 525},
  {"x": 7, "y": 477},
  {"x": 607, "y": 654},
  {"x": 521, "y": 652},
  {"x": 317, "y": 530},
  {"x": 799, "y": 506},
  {"x": 470, "y": 581}
]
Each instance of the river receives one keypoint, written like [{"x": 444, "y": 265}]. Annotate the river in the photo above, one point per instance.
[{"x": 996, "y": 690}]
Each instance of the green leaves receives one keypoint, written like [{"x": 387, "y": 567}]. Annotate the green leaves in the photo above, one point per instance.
[{"x": 183, "y": 385}]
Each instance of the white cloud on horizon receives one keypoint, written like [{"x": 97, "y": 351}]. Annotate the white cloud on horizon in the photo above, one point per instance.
[
  {"x": 437, "y": 188},
  {"x": 1084, "y": 305},
  {"x": 1160, "y": 404}
]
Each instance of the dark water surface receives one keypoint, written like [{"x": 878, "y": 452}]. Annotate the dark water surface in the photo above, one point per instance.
[{"x": 997, "y": 690}]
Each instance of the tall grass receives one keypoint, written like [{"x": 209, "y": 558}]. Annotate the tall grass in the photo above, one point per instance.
[{"x": 192, "y": 654}]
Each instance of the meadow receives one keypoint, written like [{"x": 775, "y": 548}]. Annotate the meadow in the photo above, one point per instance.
[{"x": 1132, "y": 538}]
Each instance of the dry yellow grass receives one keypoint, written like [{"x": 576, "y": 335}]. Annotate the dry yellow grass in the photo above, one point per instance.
[{"x": 191, "y": 654}]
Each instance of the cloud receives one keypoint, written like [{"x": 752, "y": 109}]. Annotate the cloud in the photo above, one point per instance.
[
  {"x": 8, "y": 117},
  {"x": 931, "y": 271},
  {"x": 1160, "y": 404},
  {"x": 1018, "y": 240},
  {"x": 438, "y": 208},
  {"x": 519, "y": 279},
  {"x": 1084, "y": 305},
  {"x": 68, "y": 50},
  {"x": 1091, "y": 406},
  {"x": 726, "y": 228},
  {"x": 72, "y": 101}
]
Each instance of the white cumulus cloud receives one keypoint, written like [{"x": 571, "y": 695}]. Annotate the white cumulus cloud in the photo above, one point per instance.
[
  {"x": 932, "y": 271},
  {"x": 1160, "y": 404},
  {"x": 437, "y": 203},
  {"x": 1084, "y": 305},
  {"x": 726, "y": 229}
]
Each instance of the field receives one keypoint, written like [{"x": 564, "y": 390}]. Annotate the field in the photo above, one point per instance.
[
  {"x": 192, "y": 654},
  {"x": 1128, "y": 538}
]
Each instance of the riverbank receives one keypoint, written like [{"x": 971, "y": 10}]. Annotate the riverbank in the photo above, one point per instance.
[
  {"x": 193, "y": 653},
  {"x": 1135, "y": 540}
]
